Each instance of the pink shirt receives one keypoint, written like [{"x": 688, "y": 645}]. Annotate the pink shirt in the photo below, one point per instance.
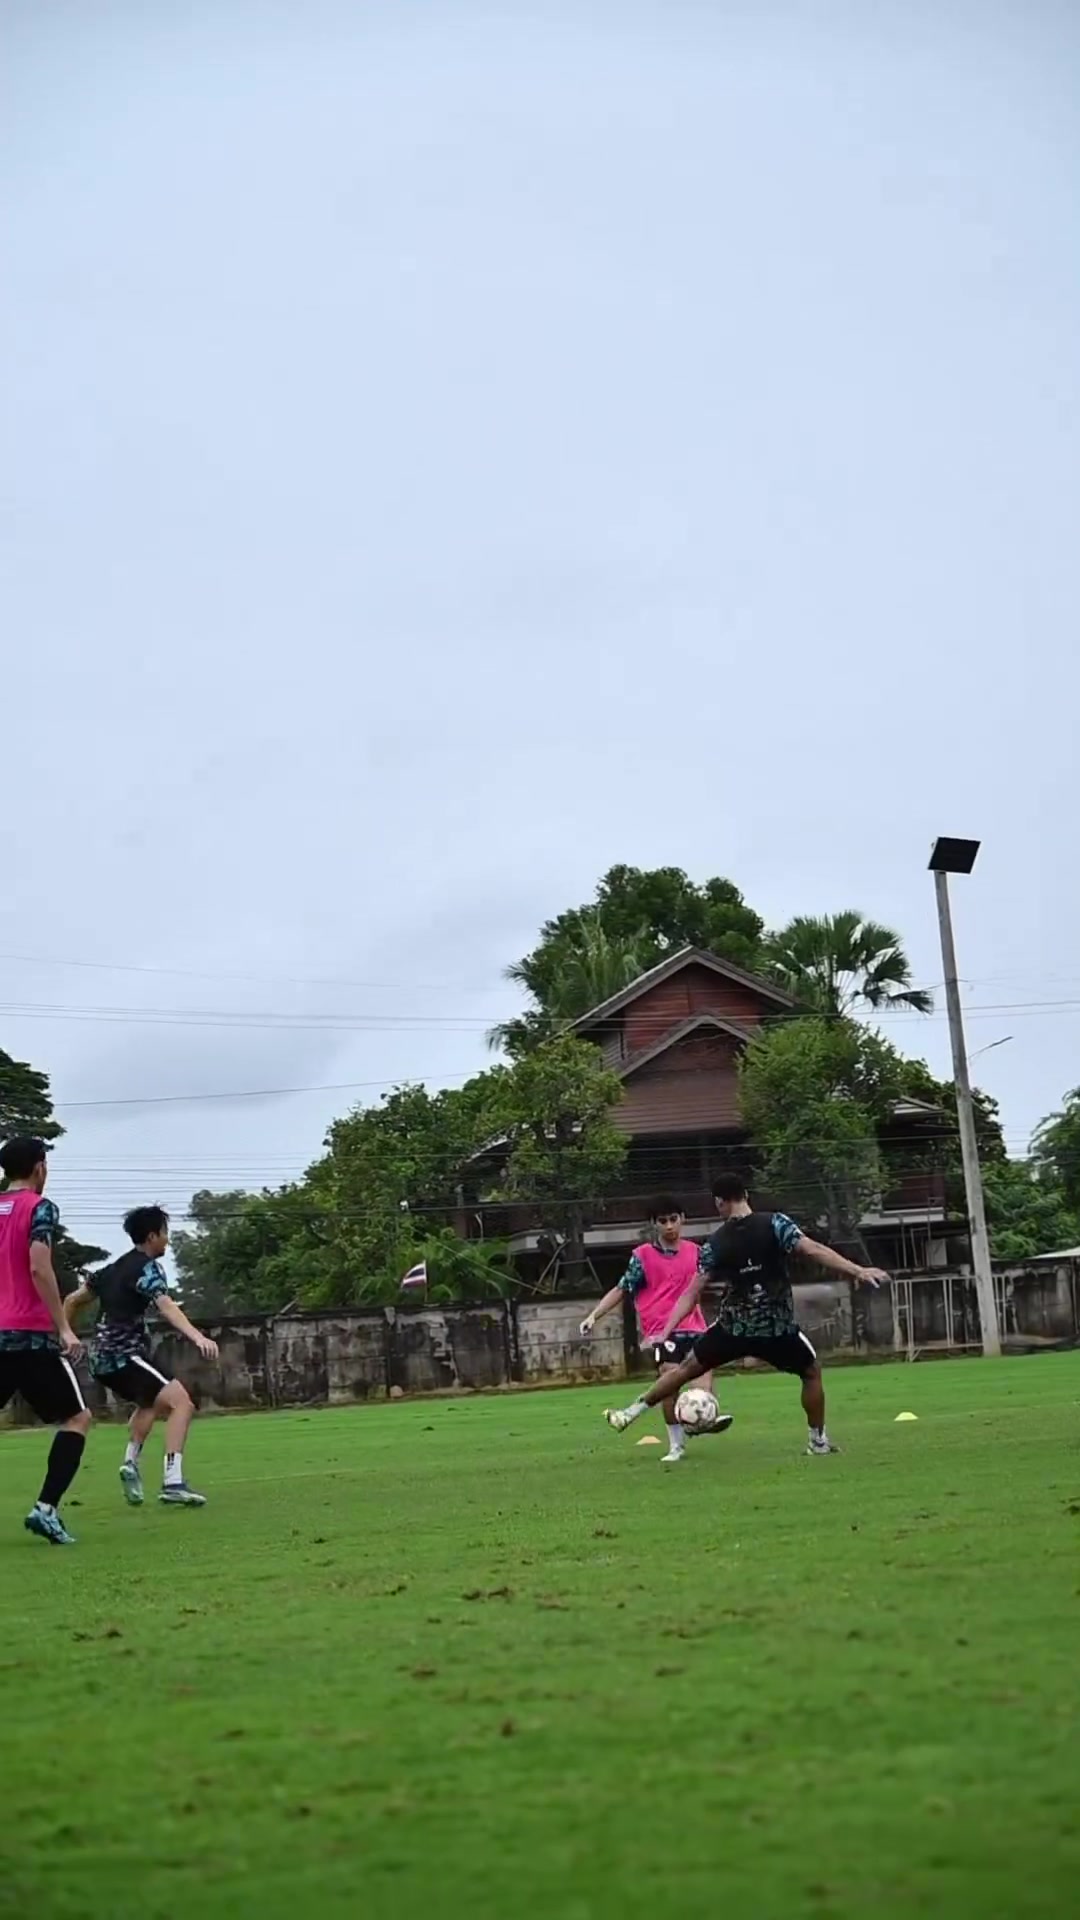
[
  {"x": 22, "y": 1309},
  {"x": 656, "y": 1279}
]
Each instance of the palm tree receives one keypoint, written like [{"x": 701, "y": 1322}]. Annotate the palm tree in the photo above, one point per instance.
[
  {"x": 567, "y": 978},
  {"x": 840, "y": 962}
]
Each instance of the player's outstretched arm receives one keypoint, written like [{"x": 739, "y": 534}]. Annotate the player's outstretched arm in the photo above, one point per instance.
[
  {"x": 43, "y": 1275},
  {"x": 828, "y": 1257},
  {"x": 77, "y": 1303},
  {"x": 685, "y": 1304},
  {"x": 171, "y": 1311},
  {"x": 607, "y": 1305}
]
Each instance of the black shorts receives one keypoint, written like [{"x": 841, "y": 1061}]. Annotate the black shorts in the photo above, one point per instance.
[
  {"x": 138, "y": 1379},
  {"x": 787, "y": 1352},
  {"x": 672, "y": 1353},
  {"x": 47, "y": 1382}
]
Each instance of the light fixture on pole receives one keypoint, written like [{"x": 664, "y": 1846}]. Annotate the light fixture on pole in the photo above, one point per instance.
[
  {"x": 958, "y": 856},
  {"x": 989, "y": 1047}
]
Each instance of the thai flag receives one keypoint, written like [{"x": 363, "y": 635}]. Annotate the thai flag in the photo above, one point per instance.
[{"x": 416, "y": 1276}]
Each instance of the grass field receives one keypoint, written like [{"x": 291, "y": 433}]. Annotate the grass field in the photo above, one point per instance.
[{"x": 484, "y": 1657}]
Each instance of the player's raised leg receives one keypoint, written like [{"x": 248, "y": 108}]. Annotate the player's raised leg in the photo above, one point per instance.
[{"x": 668, "y": 1387}]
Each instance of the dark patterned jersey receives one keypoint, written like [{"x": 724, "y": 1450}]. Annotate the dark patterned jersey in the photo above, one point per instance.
[{"x": 126, "y": 1291}]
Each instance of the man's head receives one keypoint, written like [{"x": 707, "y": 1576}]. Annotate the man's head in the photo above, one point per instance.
[
  {"x": 23, "y": 1161},
  {"x": 666, "y": 1217},
  {"x": 148, "y": 1228},
  {"x": 730, "y": 1195}
]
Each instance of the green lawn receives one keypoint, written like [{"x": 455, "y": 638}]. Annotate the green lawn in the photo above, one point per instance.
[{"x": 484, "y": 1658}]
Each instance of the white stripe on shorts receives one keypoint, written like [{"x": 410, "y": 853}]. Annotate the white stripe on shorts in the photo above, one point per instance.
[
  {"x": 74, "y": 1378},
  {"x": 807, "y": 1345},
  {"x": 147, "y": 1368}
]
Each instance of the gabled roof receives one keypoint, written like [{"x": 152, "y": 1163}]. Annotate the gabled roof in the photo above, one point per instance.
[
  {"x": 675, "y": 963},
  {"x": 674, "y": 1034}
]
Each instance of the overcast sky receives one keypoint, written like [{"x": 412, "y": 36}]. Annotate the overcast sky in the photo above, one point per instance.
[{"x": 454, "y": 447}]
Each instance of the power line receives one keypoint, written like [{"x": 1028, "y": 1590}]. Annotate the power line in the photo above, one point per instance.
[
  {"x": 378, "y": 986},
  {"x": 375, "y": 1023},
  {"x": 256, "y": 1093},
  {"x": 263, "y": 979}
]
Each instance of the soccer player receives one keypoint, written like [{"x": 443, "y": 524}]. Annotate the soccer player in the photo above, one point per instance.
[
  {"x": 748, "y": 1255},
  {"x": 37, "y": 1346},
  {"x": 126, "y": 1290},
  {"x": 660, "y": 1273}
]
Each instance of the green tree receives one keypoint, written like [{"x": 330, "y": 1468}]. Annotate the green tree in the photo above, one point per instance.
[
  {"x": 837, "y": 963},
  {"x": 638, "y": 917},
  {"x": 1055, "y": 1149},
  {"x": 814, "y": 1093},
  {"x": 391, "y": 1175},
  {"x": 935, "y": 1147},
  {"x": 25, "y": 1101},
  {"x": 376, "y": 1201},
  {"x": 556, "y": 1111},
  {"x": 247, "y": 1252},
  {"x": 674, "y": 911},
  {"x": 918, "y": 1083},
  {"x": 593, "y": 966},
  {"x": 461, "y": 1269},
  {"x": 1026, "y": 1211}
]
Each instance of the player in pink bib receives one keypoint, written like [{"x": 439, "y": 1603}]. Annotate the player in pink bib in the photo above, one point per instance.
[{"x": 660, "y": 1270}]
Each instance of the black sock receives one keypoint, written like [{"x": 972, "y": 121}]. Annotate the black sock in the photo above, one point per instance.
[{"x": 64, "y": 1457}]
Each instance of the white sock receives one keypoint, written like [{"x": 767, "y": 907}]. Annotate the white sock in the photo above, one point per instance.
[
  {"x": 132, "y": 1452},
  {"x": 677, "y": 1437},
  {"x": 817, "y": 1433},
  {"x": 636, "y": 1409},
  {"x": 174, "y": 1469}
]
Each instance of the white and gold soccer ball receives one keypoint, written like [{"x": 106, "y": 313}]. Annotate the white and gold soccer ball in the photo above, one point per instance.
[{"x": 697, "y": 1411}]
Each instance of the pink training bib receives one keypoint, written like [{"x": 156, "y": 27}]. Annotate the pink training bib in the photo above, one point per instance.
[
  {"x": 21, "y": 1307},
  {"x": 667, "y": 1276}
]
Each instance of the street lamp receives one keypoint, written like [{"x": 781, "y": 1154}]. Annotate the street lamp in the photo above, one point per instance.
[{"x": 958, "y": 856}]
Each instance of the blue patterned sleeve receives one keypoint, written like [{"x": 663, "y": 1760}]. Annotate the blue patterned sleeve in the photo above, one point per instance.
[
  {"x": 152, "y": 1282},
  {"x": 44, "y": 1222},
  {"x": 706, "y": 1258},
  {"x": 634, "y": 1278},
  {"x": 787, "y": 1233}
]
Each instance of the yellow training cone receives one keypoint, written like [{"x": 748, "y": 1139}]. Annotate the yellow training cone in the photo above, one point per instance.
[
  {"x": 906, "y": 1416},
  {"x": 654, "y": 1440}
]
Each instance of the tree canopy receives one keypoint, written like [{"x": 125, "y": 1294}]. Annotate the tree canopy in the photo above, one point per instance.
[
  {"x": 637, "y": 918},
  {"x": 384, "y": 1194},
  {"x": 814, "y": 1093},
  {"x": 1055, "y": 1149},
  {"x": 555, "y": 1113},
  {"x": 840, "y": 963},
  {"x": 25, "y": 1101}
]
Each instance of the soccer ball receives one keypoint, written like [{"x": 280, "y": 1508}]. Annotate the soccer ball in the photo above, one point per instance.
[{"x": 697, "y": 1411}]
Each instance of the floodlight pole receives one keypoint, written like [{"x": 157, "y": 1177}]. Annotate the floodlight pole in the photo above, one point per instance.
[{"x": 944, "y": 860}]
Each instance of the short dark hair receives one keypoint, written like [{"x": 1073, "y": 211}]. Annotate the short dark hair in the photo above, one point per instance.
[
  {"x": 665, "y": 1203},
  {"x": 20, "y": 1156},
  {"x": 141, "y": 1222},
  {"x": 729, "y": 1186}
]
